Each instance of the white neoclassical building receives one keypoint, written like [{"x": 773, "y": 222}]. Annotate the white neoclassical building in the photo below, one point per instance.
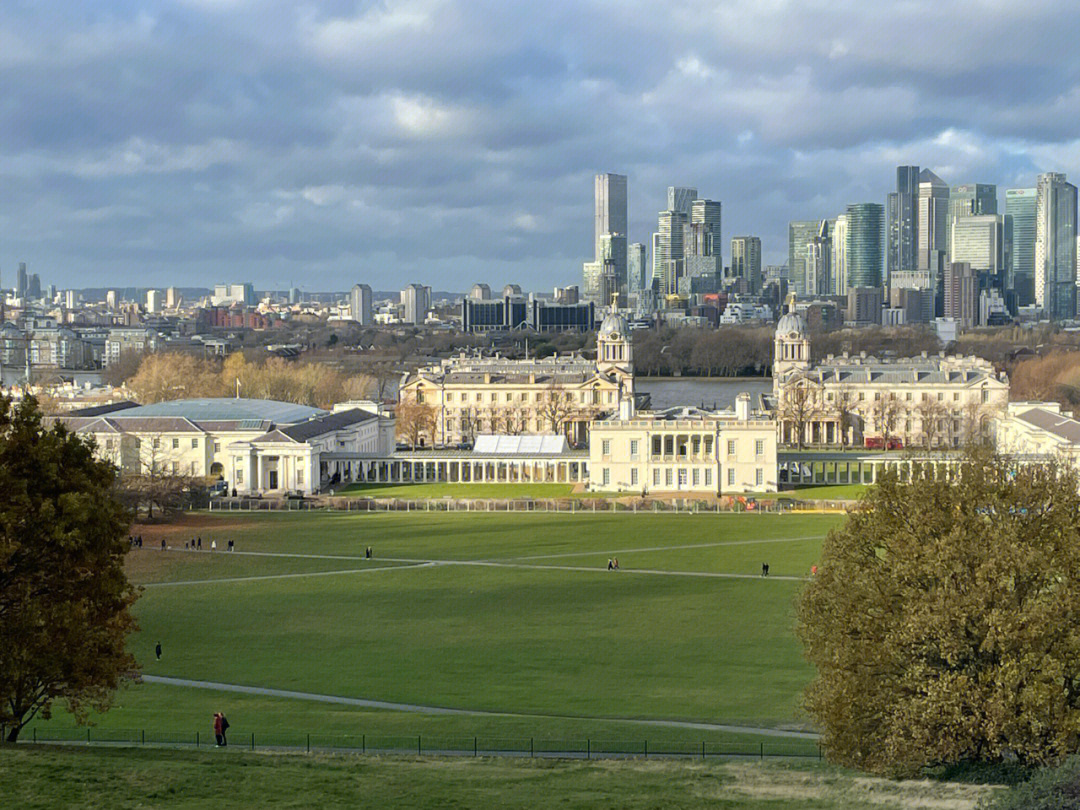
[
  {"x": 1038, "y": 431},
  {"x": 255, "y": 446},
  {"x": 932, "y": 401},
  {"x": 685, "y": 449},
  {"x": 470, "y": 396}
]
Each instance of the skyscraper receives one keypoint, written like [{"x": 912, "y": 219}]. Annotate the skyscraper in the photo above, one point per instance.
[
  {"x": 702, "y": 254},
  {"x": 933, "y": 218},
  {"x": 962, "y": 294},
  {"x": 1055, "y": 246},
  {"x": 360, "y": 304},
  {"x": 839, "y": 255},
  {"x": 415, "y": 302},
  {"x": 1021, "y": 208},
  {"x": 681, "y": 199},
  {"x": 669, "y": 250},
  {"x": 21, "y": 281},
  {"x": 33, "y": 287},
  {"x": 637, "y": 267},
  {"x": 903, "y": 221},
  {"x": 746, "y": 261},
  {"x": 799, "y": 235},
  {"x": 818, "y": 262},
  {"x": 609, "y": 242},
  {"x": 979, "y": 240},
  {"x": 971, "y": 199},
  {"x": 865, "y": 248}
]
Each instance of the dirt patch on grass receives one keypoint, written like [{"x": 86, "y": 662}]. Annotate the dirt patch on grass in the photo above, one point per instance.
[{"x": 774, "y": 782}]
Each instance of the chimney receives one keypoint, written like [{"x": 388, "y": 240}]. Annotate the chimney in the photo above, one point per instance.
[{"x": 742, "y": 407}]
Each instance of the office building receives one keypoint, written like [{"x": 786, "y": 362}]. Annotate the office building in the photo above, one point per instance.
[
  {"x": 637, "y": 267},
  {"x": 703, "y": 259},
  {"x": 669, "y": 251},
  {"x": 979, "y": 240},
  {"x": 361, "y": 305},
  {"x": 865, "y": 234},
  {"x": 33, "y": 287},
  {"x": 71, "y": 299},
  {"x": 111, "y": 299},
  {"x": 1055, "y": 246},
  {"x": 970, "y": 199},
  {"x": 933, "y": 218},
  {"x": 800, "y": 234},
  {"x": 962, "y": 294},
  {"x": 172, "y": 298},
  {"x": 294, "y": 295},
  {"x": 415, "y": 303},
  {"x": 153, "y": 301},
  {"x": 903, "y": 221},
  {"x": 746, "y": 261},
  {"x": 681, "y": 199},
  {"x": 1021, "y": 213}
]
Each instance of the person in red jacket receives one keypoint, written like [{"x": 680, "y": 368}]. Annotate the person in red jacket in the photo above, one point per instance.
[{"x": 219, "y": 730}]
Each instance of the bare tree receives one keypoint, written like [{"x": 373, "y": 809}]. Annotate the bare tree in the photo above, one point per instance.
[
  {"x": 160, "y": 483},
  {"x": 555, "y": 407},
  {"x": 887, "y": 411},
  {"x": 798, "y": 406},
  {"x": 933, "y": 417},
  {"x": 845, "y": 404},
  {"x": 414, "y": 420}
]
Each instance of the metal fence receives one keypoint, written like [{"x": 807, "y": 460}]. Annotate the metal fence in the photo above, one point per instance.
[
  {"x": 563, "y": 505},
  {"x": 431, "y": 745}
]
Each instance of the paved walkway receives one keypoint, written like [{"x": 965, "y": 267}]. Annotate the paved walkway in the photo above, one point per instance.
[
  {"x": 424, "y": 709},
  {"x": 298, "y": 575}
]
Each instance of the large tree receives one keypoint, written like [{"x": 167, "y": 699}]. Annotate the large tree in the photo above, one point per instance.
[
  {"x": 64, "y": 598},
  {"x": 944, "y": 620}
]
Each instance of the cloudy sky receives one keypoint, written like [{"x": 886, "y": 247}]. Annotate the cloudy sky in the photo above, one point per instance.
[{"x": 327, "y": 142}]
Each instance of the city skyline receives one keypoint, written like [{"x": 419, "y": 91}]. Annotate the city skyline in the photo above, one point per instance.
[{"x": 321, "y": 169}]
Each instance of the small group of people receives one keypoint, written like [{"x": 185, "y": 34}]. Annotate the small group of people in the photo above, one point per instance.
[
  {"x": 613, "y": 564},
  {"x": 195, "y": 544},
  {"x": 764, "y": 569},
  {"x": 221, "y": 725},
  {"x": 135, "y": 540},
  {"x": 367, "y": 553}
]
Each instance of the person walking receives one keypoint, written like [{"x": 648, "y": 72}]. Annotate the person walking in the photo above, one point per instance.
[
  {"x": 198, "y": 543},
  {"x": 213, "y": 545},
  {"x": 219, "y": 736},
  {"x": 224, "y": 728},
  {"x": 764, "y": 569},
  {"x": 610, "y": 565},
  {"x": 157, "y": 651}
]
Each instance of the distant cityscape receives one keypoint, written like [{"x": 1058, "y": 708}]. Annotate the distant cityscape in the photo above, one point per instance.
[{"x": 933, "y": 254}]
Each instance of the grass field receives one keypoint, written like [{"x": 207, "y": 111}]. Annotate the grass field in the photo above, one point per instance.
[
  {"x": 36, "y": 778},
  {"x": 509, "y": 613}
]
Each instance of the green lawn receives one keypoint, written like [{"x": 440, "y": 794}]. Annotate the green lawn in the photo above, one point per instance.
[
  {"x": 501, "y": 612},
  {"x": 825, "y": 492},
  {"x": 45, "y": 777}
]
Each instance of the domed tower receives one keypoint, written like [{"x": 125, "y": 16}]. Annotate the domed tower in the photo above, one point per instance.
[
  {"x": 792, "y": 348},
  {"x": 614, "y": 351}
]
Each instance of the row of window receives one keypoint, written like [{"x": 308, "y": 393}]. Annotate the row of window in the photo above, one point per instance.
[
  {"x": 694, "y": 445},
  {"x": 584, "y": 397},
  {"x": 682, "y": 477}
]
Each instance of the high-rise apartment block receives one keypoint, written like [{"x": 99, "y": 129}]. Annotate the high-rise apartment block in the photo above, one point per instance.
[
  {"x": 637, "y": 267},
  {"x": 1055, "y": 246},
  {"x": 962, "y": 294},
  {"x": 609, "y": 231},
  {"x": 818, "y": 272},
  {"x": 226, "y": 294},
  {"x": 415, "y": 303},
  {"x": 865, "y": 235},
  {"x": 746, "y": 261},
  {"x": 800, "y": 235},
  {"x": 361, "y": 305}
]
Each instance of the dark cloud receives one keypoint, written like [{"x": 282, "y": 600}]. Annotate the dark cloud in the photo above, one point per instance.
[{"x": 446, "y": 141}]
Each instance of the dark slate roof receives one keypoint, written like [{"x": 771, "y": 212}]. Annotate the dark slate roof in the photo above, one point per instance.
[
  {"x": 229, "y": 408},
  {"x": 100, "y": 410},
  {"x": 1064, "y": 427},
  {"x": 321, "y": 425},
  {"x": 273, "y": 436}
]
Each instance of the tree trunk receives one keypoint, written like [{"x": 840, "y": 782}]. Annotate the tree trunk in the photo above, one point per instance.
[{"x": 13, "y": 734}]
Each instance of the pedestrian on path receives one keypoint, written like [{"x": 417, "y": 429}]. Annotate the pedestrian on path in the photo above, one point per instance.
[
  {"x": 198, "y": 543},
  {"x": 213, "y": 545},
  {"x": 157, "y": 651},
  {"x": 367, "y": 553},
  {"x": 764, "y": 569},
  {"x": 221, "y": 725},
  {"x": 610, "y": 564}
]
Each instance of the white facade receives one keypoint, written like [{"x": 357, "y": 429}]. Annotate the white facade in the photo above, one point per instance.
[
  {"x": 415, "y": 303},
  {"x": 685, "y": 450},
  {"x": 360, "y": 305}
]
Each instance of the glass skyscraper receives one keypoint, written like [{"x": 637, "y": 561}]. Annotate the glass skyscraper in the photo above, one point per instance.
[
  {"x": 865, "y": 248},
  {"x": 1020, "y": 210},
  {"x": 903, "y": 222},
  {"x": 1055, "y": 246},
  {"x": 800, "y": 234}
]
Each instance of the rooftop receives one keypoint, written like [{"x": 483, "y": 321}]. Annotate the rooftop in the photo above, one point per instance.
[{"x": 228, "y": 409}]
